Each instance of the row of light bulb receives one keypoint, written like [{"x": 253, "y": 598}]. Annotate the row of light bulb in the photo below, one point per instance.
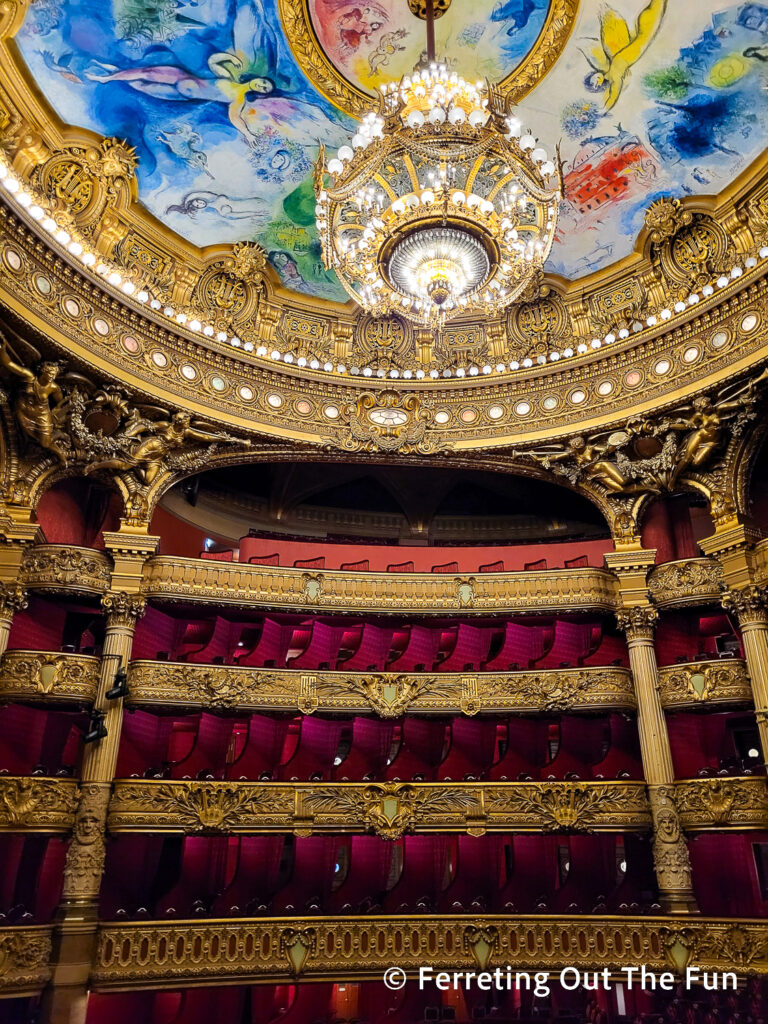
[{"x": 28, "y": 202}]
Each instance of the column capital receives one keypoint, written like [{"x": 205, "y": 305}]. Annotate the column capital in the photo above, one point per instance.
[
  {"x": 638, "y": 622},
  {"x": 734, "y": 549},
  {"x": 123, "y": 608},
  {"x": 750, "y": 604},
  {"x": 13, "y": 598},
  {"x": 129, "y": 552}
]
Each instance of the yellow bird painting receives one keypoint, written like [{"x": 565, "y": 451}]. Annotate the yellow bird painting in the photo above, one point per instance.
[{"x": 619, "y": 49}]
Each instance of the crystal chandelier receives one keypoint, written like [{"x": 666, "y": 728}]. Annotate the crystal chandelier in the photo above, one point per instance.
[{"x": 443, "y": 203}]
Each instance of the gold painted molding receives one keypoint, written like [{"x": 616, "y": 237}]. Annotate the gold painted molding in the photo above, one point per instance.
[
  {"x": 43, "y": 675},
  {"x": 686, "y": 582},
  {"x": 386, "y": 694},
  {"x": 158, "y": 954},
  {"x": 171, "y": 578},
  {"x": 724, "y": 681},
  {"x": 388, "y": 809},
  {"x": 37, "y": 804},
  {"x": 722, "y": 802},
  {"x": 25, "y": 953}
]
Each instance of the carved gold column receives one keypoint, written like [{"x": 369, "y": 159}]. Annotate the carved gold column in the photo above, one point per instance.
[
  {"x": 15, "y": 537},
  {"x": 65, "y": 1000},
  {"x": 732, "y": 545},
  {"x": 638, "y": 618}
]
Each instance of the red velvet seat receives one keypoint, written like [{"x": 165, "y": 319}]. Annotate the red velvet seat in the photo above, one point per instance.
[
  {"x": 471, "y": 751},
  {"x": 478, "y": 876},
  {"x": 401, "y": 567},
  {"x": 196, "y": 879},
  {"x": 207, "y": 759},
  {"x": 34, "y": 739},
  {"x": 446, "y": 567},
  {"x": 582, "y": 742},
  {"x": 470, "y": 649},
  {"x": 322, "y": 650},
  {"x": 220, "y": 644},
  {"x": 310, "y": 563},
  {"x": 255, "y": 879},
  {"x": 372, "y": 650},
  {"x": 622, "y": 759},
  {"x": 537, "y": 566},
  {"x": 364, "y": 886},
  {"x": 271, "y": 649},
  {"x": 725, "y": 875},
  {"x": 579, "y": 562},
  {"x": 421, "y": 881},
  {"x": 527, "y": 750},
  {"x": 420, "y": 652},
  {"x": 592, "y": 876},
  {"x": 362, "y": 566},
  {"x": 311, "y": 876},
  {"x": 521, "y": 648},
  {"x": 315, "y": 752},
  {"x": 422, "y": 747},
  {"x": 491, "y": 567},
  {"x": 531, "y": 883},
  {"x": 370, "y": 747},
  {"x": 273, "y": 559},
  {"x": 262, "y": 752},
  {"x": 571, "y": 644},
  {"x": 129, "y": 876},
  {"x": 143, "y": 744},
  {"x": 218, "y": 556}
]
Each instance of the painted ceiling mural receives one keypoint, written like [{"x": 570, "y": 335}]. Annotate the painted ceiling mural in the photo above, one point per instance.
[{"x": 649, "y": 98}]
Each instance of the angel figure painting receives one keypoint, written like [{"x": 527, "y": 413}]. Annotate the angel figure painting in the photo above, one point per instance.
[{"x": 212, "y": 99}]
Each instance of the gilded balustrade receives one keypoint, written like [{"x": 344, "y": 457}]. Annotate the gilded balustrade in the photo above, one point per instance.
[
  {"x": 25, "y": 954},
  {"x": 721, "y": 681},
  {"x": 387, "y": 694},
  {"x": 49, "y": 675},
  {"x": 685, "y": 582},
  {"x": 35, "y": 803},
  {"x": 195, "y": 580},
  {"x": 722, "y": 802},
  {"x": 157, "y": 954},
  {"x": 56, "y": 567},
  {"x": 388, "y": 809}
]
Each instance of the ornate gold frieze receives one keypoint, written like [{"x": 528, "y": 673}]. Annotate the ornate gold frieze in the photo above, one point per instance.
[
  {"x": 25, "y": 953},
  {"x": 42, "y": 675},
  {"x": 388, "y": 809},
  {"x": 724, "y": 681},
  {"x": 162, "y": 954},
  {"x": 387, "y": 694},
  {"x": 231, "y": 388},
  {"x": 170, "y": 578},
  {"x": 36, "y": 803},
  {"x": 52, "y": 567},
  {"x": 720, "y": 802},
  {"x": 686, "y": 582}
]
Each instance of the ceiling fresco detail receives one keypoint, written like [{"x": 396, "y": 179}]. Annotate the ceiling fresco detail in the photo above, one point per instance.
[{"x": 648, "y": 98}]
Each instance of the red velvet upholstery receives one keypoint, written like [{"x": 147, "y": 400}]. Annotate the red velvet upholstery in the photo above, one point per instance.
[
  {"x": 372, "y": 650},
  {"x": 191, "y": 883},
  {"x": 725, "y": 874},
  {"x": 420, "y": 652},
  {"x": 364, "y": 887},
  {"x": 129, "y": 877},
  {"x": 471, "y": 751},
  {"x": 218, "y": 556},
  {"x": 521, "y": 648},
  {"x": 311, "y": 876},
  {"x": 271, "y": 649},
  {"x": 491, "y": 567},
  {"x": 273, "y": 559},
  {"x": 310, "y": 563},
  {"x": 421, "y": 750},
  {"x": 478, "y": 876},
  {"x": 207, "y": 759},
  {"x": 315, "y": 752},
  {"x": 31, "y": 877},
  {"x": 531, "y": 884},
  {"x": 255, "y": 879},
  {"x": 572, "y": 643},
  {"x": 262, "y": 751},
  {"x": 322, "y": 650},
  {"x": 33, "y": 739},
  {"x": 400, "y": 567},
  {"x": 446, "y": 567},
  {"x": 526, "y": 753},
  {"x": 371, "y": 744},
  {"x": 420, "y": 885},
  {"x": 362, "y": 566},
  {"x": 470, "y": 649},
  {"x": 143, "y": 744}
]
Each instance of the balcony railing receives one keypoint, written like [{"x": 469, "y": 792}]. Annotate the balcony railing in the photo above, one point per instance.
[
  {"x": 157, "y": 954},
  {"x": 388, "y": 809},
  {"x": 25, "y": 954},
  {"x": 44, "y": 675},
  {"x": 724, "y": 681},
  {"x": 388, "y": 694},
  {"x": 35, "y": 803}
]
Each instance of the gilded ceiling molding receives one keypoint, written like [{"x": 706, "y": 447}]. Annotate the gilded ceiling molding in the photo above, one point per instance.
[
  {"x": 234, "y": 951},
  {"x": 486, "y": 411},
  {"x": 724, "y": 681},
  {"x": 37, "y": 804},
  {"x": 175, "y": 579},
  {"x": 387, "y": 809},
  {"x": 44, "y": 676},
  {"x": 386, "y": 694},
  {"x": 25, "y": 954},
  {"x": 323, "y": 74}
]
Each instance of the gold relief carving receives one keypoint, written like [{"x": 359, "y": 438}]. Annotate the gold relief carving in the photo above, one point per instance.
[
  {"x": 664, "y": 218},
  {"x": 312, "y": 587},
  {"x": 750, "y": 604},
  {"x": 30, "y": 674},
  {"x": 85, "y": 855},
  {"x": 620, "y": 305},
  {"x": 171, "y": 954},
  {"x": 716, "y": 682},
  {"x": 82, "y": 180},
  {"x": 387, "y": 694},
  {"x": 465, "y": 591},
  {"x": 221, "y": 292},
  {"x": 25, "y": 955},
  {"x": 61, "y": 567},
  {"x": 389, "y": 421},
  {"x": 537, "y": 327},
  {"x": 638, "y": 623},
  {"x": 720, "y": 802},
  {"x": 297, "y": 325},
  {"x": 678, "y": 582},
  {"x": 191, "y": 579},
  {"x": 384, "y": 339},
  {"x": 387, "y": 808},
  {"x": 13, "y": 598},
  {"x": 297, "y": 945},
  {"x": 37, "y": 804},
  {"x": 134, "y": 251},
  {"x": 670, "y": 852},
  {"x": 122, "y": 608},
  {"x": 697, "y": 249}
]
